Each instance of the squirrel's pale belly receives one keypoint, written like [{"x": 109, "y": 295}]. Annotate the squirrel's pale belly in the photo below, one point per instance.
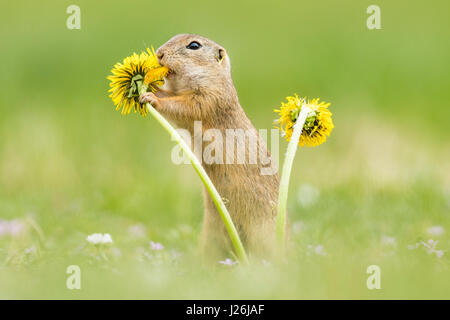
[{"x": 250, "y": 198}]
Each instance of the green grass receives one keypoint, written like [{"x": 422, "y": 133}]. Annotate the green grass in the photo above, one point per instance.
[{"x": 71, "y": 166}]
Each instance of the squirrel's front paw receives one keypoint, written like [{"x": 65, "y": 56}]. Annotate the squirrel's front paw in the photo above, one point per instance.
[{"x": 150, "y": 98}]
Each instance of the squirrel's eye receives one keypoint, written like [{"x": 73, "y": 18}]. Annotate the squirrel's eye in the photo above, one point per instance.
[{"x": 194, "y": 45}]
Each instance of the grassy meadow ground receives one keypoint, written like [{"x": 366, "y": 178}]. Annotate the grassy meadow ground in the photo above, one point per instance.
[{"x": 71, "y": 166}]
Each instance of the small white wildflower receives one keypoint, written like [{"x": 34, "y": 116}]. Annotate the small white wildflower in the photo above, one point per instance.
[
  {"x": 317, "y": 250},
  {"x": 137, "y": 231},
  {"x": 13, "y": 228},
  {"x": 439, "y": 253},
  {"x": 98, "y": 238},
  {"x": 95, "y": 238},
  {"x": 16, "y": 227},
  {"x": 307, "y": 195},
  {"x": 106, "y": 238},
  {"x": 429, "y": 247},
  {"x": 3, "y": 228},
  {"x": 298, "y": 226},
  {"x": 156, "y": 246},
  {"x": 228, "y": 262},
  {"x": 389, "y": 241},
  {"x": 431, "y": 244},
  {"x": 436, "y": 231},
  {"x": 31, "y": 250}
]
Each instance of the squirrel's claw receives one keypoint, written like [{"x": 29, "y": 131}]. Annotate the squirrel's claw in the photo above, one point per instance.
[{"x": 149, "y": 97}]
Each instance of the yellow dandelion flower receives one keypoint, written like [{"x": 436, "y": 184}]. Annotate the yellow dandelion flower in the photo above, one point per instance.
[
  {"x": 318, "y": 124},
  {"x": 135, "y": 75}
]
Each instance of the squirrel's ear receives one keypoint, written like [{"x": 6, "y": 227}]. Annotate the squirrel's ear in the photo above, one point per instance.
[{"x": 221, "y": 54}]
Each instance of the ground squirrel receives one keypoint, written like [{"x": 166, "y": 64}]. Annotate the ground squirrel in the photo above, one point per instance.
[{"x": 199, "y": 87}]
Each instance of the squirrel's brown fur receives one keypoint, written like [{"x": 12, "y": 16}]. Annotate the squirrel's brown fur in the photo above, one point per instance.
[{"x": 200, "y": 88}]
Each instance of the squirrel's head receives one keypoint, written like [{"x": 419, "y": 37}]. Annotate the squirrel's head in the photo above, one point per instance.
[{"x": 195, "y": 62}]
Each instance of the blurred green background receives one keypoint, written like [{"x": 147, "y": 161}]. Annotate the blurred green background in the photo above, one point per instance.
[{"x": 71, "y": 166}]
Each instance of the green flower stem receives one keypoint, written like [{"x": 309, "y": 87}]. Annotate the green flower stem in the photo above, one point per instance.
[
  {"x": 231, "y": 229},
  {"x": 285, "y": 176}
]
